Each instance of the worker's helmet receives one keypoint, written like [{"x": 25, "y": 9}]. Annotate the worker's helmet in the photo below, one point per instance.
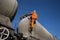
[{"x": 8, "y": 8}]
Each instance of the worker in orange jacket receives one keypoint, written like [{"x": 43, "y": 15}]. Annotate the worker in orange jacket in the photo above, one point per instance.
[{"x": 33, "y": 19}]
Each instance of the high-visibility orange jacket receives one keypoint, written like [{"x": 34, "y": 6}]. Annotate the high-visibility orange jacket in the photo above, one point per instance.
[{"x": 33, "y": 18}]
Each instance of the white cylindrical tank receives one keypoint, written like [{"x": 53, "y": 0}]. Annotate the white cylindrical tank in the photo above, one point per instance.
[
  {"x": 8, "y": 8},
  {"x": 39, "y": 31}
]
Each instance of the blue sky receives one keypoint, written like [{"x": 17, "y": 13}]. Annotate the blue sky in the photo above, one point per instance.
[{"x": 48, "y": 13}]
